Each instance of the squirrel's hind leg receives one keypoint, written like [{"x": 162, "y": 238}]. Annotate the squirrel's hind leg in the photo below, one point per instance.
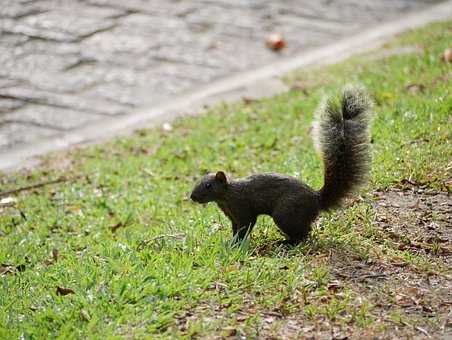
[{"x": 296, "y": 225}]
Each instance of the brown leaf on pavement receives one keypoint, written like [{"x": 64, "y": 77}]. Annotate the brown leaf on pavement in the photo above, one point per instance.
[{"x": 275, "y": 42}]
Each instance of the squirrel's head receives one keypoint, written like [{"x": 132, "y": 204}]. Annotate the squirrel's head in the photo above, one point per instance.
[{"x": 211, "y": 187}]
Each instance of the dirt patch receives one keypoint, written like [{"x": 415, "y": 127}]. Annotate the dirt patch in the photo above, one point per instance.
[
  {"x": 417, "y": 219},
  {"x": 393, "y": 287}
]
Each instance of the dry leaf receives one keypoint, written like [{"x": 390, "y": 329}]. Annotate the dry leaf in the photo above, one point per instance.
[
  {"x": 231, "y": 332},
  {"x": 54, "y": 258},
  {"x": 116, "y": 226},
  {"x": 55, "y": 254},
  {"x": 241, "y": 318},
  {"x": 408, "y": 181},
  {"x": 11, "y": 269},
  {"x": 334, "y": 286},
  {"x": 275, "y": 42},
  {"x": 415, "y": 88},
  {"x": 403, "y": 300},
  {"x": 7, "y": 269},
  {"x": 84, "y": 315},
  {"x": 64, "y": 291},
  {"x": 75, "y": 209}
]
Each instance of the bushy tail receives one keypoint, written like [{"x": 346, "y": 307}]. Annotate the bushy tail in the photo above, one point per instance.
[{"x": 341, "y": 132}]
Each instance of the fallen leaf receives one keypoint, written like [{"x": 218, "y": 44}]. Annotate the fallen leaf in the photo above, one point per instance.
[
  {"x": 53, "y": 259},
  {"x": 7, "y": 269},
  {"x": 408, "y": 181},
  {"x": 415, "y": 88},
  {"x": 413, "y": 292},
  {"x": 55, "y": 254},
  {"x": 11, "y": 269},
  {"x": 231, "y": 332},
  {"x": 64, "y": 291},
  {"x": 75, "y": 209},
  {"x": 334, "y": 286},
  {"x": 84, "y": 315},
  {"x": 116, "y": 226},
  {"x": 275, "y": 42},
  {"x": 241, "y": 318},
  {"x": 427, "y": 309},
  {"x": 403, "y": 300}
]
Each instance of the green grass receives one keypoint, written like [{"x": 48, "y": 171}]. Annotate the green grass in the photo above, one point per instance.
[{"x": 143, "y": 260}]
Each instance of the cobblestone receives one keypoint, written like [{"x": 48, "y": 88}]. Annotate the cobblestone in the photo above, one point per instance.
[
  {"x": 80, "y": 103},
  {"x": 7, "y": 105},
  {"x": 13, "y": 133},
  {"x": 51, "y": 117},
  {"x": 69, "y": 63},
  {"x": 17, "y": 8}
]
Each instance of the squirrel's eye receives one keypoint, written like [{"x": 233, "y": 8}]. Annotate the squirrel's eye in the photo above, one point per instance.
[{"x": 208, "y": 185}]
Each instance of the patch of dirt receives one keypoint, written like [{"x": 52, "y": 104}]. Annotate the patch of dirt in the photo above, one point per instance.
[
  {"x": 419, "y": 220},
  {"x": 391, "y": 286}
]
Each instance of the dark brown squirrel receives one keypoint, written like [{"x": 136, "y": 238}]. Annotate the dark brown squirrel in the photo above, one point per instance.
[{"x": 341, "y": 133}]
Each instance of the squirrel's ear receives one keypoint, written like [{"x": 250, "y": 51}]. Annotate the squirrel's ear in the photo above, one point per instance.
[{"x": 221, "y": 177}]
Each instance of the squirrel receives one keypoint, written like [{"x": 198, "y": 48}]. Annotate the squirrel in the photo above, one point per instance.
[{"x": 341, "y": 134}]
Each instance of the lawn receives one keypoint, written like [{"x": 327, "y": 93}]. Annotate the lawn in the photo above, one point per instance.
[{"x": 114, "y": 248}]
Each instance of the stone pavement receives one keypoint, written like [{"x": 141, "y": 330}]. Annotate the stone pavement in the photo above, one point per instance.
[{"x": 66, "y": 64}]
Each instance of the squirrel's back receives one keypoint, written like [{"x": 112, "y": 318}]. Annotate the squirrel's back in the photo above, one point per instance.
[{"x": 268, "y": 190}]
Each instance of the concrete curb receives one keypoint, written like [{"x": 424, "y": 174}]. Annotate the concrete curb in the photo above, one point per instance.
[{"x": 260, "y": 82}]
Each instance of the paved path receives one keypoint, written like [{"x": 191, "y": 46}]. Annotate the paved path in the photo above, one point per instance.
[{"x": 67, "y": 64}]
